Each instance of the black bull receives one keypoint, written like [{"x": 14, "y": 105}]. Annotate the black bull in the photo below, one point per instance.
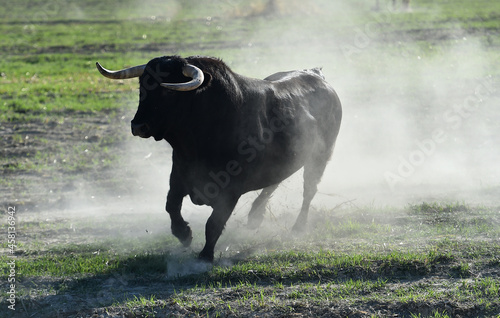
[{"x": 231, "y": 134}]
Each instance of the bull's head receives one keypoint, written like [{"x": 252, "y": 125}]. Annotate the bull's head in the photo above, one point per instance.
[{"x": 163, "y": 83}]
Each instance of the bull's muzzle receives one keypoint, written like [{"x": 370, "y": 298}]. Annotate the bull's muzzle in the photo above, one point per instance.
[{"x": 140, "y": 130}]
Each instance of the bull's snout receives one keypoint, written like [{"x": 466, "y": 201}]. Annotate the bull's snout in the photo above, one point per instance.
[{"x": 141, "y": 130}]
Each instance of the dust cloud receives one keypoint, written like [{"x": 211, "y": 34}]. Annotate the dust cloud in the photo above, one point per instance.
[
  {"x": 419, "y": 106},
  {"x": 419, "y": 119}
]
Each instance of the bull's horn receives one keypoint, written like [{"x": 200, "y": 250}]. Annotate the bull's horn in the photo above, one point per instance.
[
  {"x": 189, "y": 71},
  {"x": 131, "y": 72}
]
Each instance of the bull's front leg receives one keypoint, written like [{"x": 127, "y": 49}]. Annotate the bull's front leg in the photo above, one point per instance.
[
  {"x": 215, "y": 224},
  {"x": 180, "y": 228}
]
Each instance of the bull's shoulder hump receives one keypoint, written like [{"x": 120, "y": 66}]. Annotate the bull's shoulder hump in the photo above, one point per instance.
[{"x": 288, "y": 75}]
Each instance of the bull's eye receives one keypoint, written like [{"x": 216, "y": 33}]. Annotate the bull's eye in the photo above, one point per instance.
[{"x": 167, "y": 92}]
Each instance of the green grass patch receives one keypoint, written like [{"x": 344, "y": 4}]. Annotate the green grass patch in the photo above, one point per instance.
[
  {"x": 441, "y": 272},
  {"x": 50, "y": 49}
]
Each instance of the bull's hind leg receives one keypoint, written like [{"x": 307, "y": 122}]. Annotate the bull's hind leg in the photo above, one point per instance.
[
  {"x": 313, "y": 171},
  {"x": 256, "y": 214}
]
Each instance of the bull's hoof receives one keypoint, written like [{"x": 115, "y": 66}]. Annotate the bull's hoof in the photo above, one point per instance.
[
  {"x": 187, "y": 241},
  {"x": 184, "y": 234},
  {"x": 206, "y": 257},
  {"x": 254, "y": 222},
  {"x": 299, "y": 228}
]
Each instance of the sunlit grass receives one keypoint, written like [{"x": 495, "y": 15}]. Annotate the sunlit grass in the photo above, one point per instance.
[
  {"x": 278, "y": 278},
  {"x": 49, "y": 67}
]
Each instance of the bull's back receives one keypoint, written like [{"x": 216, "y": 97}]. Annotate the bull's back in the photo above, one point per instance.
[
  {"x": 302, "y": 116},
  {"x": 316, "y": 98}
]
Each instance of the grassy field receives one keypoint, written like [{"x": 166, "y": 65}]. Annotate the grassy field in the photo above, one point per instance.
[{"x": 83, "y": 221}]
